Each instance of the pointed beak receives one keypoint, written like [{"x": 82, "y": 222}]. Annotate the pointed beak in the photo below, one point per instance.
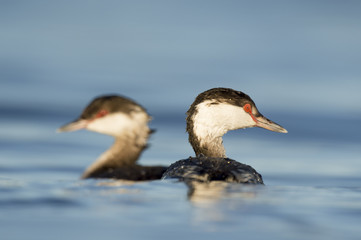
[
  {"x": 73, "y": 126},
  {"x": 265, "y": 123}
]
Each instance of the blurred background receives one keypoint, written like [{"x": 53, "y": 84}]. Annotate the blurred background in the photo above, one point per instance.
[
  {"x": 299, "y": 61},
  {"x": 301, "y": 56}
]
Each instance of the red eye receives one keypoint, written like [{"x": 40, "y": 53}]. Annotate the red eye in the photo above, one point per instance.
[
  {"x": 247, "y": 108},
  {"x": 101, "y": 113}
]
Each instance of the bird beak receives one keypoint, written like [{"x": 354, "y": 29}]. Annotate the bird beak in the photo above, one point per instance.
[
  {"x": 265, "y": 123},
  {"x": 73, "y": 126}
]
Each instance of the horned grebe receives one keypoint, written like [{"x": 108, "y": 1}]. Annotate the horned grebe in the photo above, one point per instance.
[
  {"x": 127, "y": 122},
  {"x": 213, "y": 114}
]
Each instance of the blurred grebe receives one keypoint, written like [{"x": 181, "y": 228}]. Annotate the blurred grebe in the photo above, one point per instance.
[
  {"x": 213, "y": 114},
  {"x": 127, "y": 122}
]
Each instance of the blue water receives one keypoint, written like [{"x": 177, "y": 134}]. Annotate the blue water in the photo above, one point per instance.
[{"x": 299, "y": 61}]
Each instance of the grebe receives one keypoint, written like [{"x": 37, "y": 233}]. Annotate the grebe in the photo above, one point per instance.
[
  {"x": 127, "y": 122},
  {"x": 212, "y": 114}
]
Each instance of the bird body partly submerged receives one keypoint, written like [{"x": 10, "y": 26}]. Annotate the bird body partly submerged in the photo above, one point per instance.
[
  {"x": 133, "y": 172},
  {"x": 206, "y": 169},
  {"x": 212, "y": 114},
  {"x": 127, "y": 122}
]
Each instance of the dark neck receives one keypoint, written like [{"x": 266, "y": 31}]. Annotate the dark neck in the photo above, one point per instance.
[
  {"x": 124, "y": 152},
  {"x": 212, "y": 147},
  {"x": 209, "y": 145}
]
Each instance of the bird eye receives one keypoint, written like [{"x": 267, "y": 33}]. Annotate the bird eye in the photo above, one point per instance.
[
  {"x": 247, "y": 108},
  {"x": 101, "y": 113}
]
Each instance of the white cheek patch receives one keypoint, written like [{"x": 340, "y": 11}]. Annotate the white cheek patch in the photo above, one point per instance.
[
  {"x": 217, "y": 119},
  {"x": 115, "y": 124}
]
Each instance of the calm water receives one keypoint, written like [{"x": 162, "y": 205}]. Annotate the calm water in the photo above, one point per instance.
[{"x": 299, "y": 62}]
